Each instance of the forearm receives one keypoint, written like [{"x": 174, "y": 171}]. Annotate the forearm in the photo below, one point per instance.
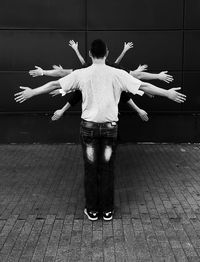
[
  {"x": 118, "y": 60},
  {"x": 81, "y": 59},
  {"x": 153, "y": 90},
  {"x": 144, "y": 75},
  {"x": 47, "y": 88},
  {"x": 133, "y": 106},
  {"x": 57, "y": 72},
  {"x": 66, "y": 107}
]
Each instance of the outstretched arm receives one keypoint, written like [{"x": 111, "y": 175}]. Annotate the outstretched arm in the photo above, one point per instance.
[
  {"x": 163, "y": 76},
  {"x": 127, "y": 46},
  {"x": 58, "y": 72},
  {"x": 74, "y": 46},
  {"x": 142, "y": 114},
  {"x": 27, "y": 92},
  {"x": 171, "y": 94}
]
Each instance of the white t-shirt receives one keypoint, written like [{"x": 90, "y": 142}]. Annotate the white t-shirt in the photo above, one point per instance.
[{"x": 101, "y": 86}]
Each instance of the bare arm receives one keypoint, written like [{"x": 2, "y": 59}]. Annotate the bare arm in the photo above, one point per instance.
[
  {"x": 58, "y": 72},
  {"x": 74, "y": 46},
  {"x": 171, "y": 94},
  {"x": 142, "y": 114},
  {"x": 27, "y": 92},
  {"x": 127, "y": 46},
  {"x": 163, "y": 76},
  {"x": 59, "y": 113}
]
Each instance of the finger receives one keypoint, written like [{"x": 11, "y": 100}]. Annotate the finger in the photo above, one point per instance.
[
  {"x": 19, "y": 100},
  {"x": 177, "y": 88},
  {"x": 181, "y": 95},
  {"x": 22, "y": 101},
  {"x": 19, "y": 97},
  {"x": 19, "y": 93},
  {"x": 181, "y": 99}
]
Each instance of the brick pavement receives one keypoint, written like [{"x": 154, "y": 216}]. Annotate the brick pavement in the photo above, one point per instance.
[{"x": 157, "y": 205}]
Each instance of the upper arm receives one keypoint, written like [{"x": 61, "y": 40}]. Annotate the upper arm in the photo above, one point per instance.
[
  {"x": 129, "y": 83},
  {"x": 70, "y": 82},
  {"x": 135, "y": 74},
  {"x": 64, "y": 72}
]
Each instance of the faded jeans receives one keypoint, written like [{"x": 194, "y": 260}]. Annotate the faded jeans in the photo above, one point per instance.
[{"x": 99, "y": 142}]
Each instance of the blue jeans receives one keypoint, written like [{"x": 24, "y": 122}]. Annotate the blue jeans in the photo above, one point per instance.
[{"x": 99, "y": 142}]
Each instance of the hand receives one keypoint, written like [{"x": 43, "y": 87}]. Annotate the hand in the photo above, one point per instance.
[
  {"x": 73, "y": 45},
  {"x": 57, "y": 115},
  {"x": 36, "y": 72},
  {"x": 142, "y": 68},
  {"x": 143, "y": 115},
  {"x": 127, "y": 46},
  {"x": 57, "y": 67},
  {"x": 24, "y": 95},
  {"x": 163, "y": 76},
  {"x": 176, "y": 96},
  {"x": 55, "y": 92}
]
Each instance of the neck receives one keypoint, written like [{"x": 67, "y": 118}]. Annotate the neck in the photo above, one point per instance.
[{"x": 99, "y": 60}]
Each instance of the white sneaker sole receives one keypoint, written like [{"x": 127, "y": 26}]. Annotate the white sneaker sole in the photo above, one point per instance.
[{"x": 90, "y": 218}]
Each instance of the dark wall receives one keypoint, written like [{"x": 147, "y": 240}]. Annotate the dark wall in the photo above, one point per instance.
[{"x": 166, "y": 36}]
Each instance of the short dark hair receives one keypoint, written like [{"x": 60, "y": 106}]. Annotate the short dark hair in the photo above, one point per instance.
[{"x": 98, "y": 48}]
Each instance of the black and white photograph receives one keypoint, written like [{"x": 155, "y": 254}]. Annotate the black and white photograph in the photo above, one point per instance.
[{"x": 100, "y": 131}]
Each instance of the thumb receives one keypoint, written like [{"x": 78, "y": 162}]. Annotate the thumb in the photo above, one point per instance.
[
  {"x": 165, "y": 72},
  {"x": 23, "y": 87},
  {"x": 37, "y": 67}
]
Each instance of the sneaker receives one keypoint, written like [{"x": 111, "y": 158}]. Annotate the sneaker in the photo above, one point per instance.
[
  {"x": 108, "y": 215},
  {"x": 92, "y": 215}
]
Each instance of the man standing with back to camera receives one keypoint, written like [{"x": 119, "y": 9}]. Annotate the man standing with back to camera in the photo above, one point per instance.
[{"x": 101, "y": 86}]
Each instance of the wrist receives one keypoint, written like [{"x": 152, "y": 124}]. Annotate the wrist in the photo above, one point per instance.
[
  {"x": 158, "y": 76},
  {"x": 33, "y": 92},
  {"x": 168, "y": 93}
]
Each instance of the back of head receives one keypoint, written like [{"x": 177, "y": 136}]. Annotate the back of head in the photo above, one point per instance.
[{"x": 98, "y": 49}]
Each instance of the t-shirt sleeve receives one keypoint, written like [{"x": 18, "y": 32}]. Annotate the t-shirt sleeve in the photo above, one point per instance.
[
  {"x": 125, "y": 97},
  {"x": 130, "y": 83},
  {"x": 69, "y": 83},
  {"x": 75, "y": 98}
]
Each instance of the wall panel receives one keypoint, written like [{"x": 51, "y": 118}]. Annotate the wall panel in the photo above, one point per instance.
[
  {"x": 192, "y": 50},
  {"x": 129, "y": 14},
  {"x": 192, "y": 17},
  {"x": 46, "y": 14},
  {"x": 192, "y": 90},
  {"x": 23, "y": 49}
]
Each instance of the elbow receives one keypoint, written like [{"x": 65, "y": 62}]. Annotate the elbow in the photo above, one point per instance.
[
  {"x": 144, "y": 87},
  {"x": 138, "y": 76},
  {"x": 54, "y": 85}
]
